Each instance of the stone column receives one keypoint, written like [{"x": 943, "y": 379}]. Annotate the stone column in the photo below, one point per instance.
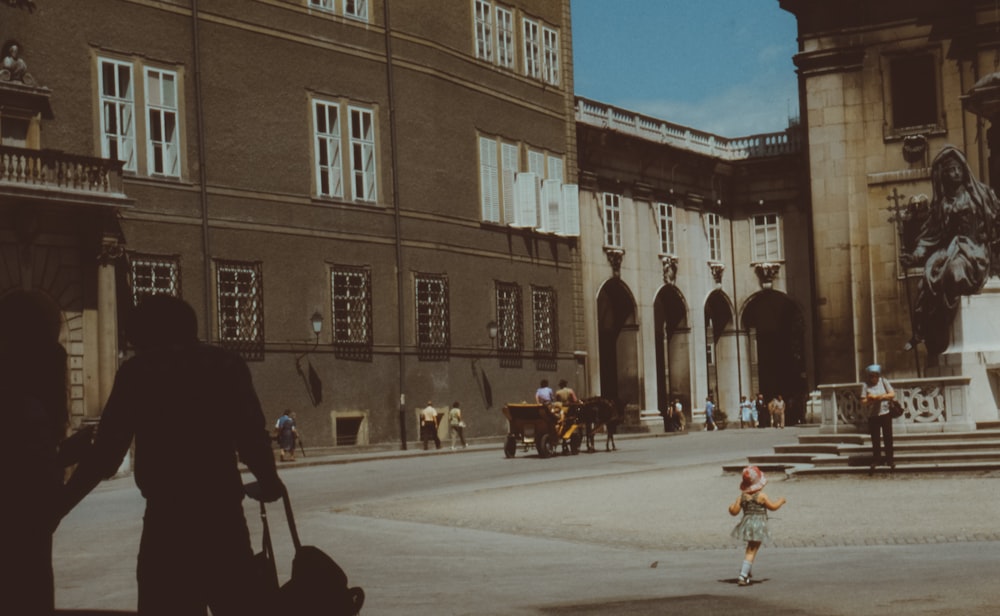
[{"x": 107, "y": 316}]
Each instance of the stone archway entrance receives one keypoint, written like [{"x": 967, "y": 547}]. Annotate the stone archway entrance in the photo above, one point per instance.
[
  {"x": 721, "y": 352},
  {"x": 618, "y": 336},
  {"x": 776, "y": 328},
  {"x": 673, "y": 349}
]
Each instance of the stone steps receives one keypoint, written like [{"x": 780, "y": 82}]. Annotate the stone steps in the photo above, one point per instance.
[{"x": 827, "y": 454}]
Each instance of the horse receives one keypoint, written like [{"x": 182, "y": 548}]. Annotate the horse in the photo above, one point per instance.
[{"x": 597, "y": 413}]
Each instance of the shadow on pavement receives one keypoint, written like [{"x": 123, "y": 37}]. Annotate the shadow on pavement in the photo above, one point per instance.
[
  {"x": 93, "y": 613},
  {"x": 743, "y": 604}
]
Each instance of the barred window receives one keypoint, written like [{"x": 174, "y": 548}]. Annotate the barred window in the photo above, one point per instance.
[
  {"x": 352, "y": 306},
  {"x": 544, "y": 321},
  {"x": 510, "y": 328},
  {"x": 433, "y": 320},
  {"x": 153, "y": 275},
  {"x": 240, "y": 300}
]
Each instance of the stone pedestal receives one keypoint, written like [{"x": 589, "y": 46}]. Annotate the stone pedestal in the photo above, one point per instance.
[{"x": 974, "y": 352}]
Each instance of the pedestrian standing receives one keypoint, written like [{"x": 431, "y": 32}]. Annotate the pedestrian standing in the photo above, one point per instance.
[
  {"x": 456, "y": 425},
  {"x": 287, "y": 434},
  {"x": 875, "y": 395},
  {"x": 746, "y": 412},
  {"x": 763, "y": 417},
  {"x": 753, "y": 527},
  {"x": 777, "y": 410},
  {"x": 709, "y": 410},
  {"x": 429, "y": 426}
]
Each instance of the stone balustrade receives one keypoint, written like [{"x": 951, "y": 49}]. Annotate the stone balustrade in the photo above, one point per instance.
[
  {"x": 652, "y": 129},
  {"x": 930, "y": 405},
  {"x": 54, "y": 169}
]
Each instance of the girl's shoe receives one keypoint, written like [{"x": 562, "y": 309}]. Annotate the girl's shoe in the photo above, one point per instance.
[{"x": 743, "y": 581}]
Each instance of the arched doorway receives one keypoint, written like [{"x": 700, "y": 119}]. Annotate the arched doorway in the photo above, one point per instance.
[
  {"x": 673, "y": 348},
  {"x": 721, "y": 352},
  {"x": 776, "y": 328},
  {"x": 618, "y": 343}
]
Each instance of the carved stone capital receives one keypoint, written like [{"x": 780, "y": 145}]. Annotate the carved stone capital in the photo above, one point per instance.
[
  {"x": 766, "y": 273},
  {"x": 111, "y": 250},
  {"x": 717, "y": 270},
  {"x": 615, "y": 256},
  {"x": 669, "y": 263}
]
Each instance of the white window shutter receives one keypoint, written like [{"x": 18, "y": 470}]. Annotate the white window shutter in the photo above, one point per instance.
[
  {"x": 571, "y": 210},
  {"x": 551, "y": 202},
  {"x": 526, "y": 185},
  {"x": 488, "y": 179},
  {"x": 508, "y": 169}
]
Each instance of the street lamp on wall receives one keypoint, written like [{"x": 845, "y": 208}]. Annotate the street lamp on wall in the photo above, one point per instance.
[
  {"x": 491, "y": 331},
  {"x": 317, "y": 324}
]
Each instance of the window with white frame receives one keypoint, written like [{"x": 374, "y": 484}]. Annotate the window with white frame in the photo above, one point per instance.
[
  {"x": 484, "y": 30},
  {"x": 363, "y": 154},
  {"x": 544, "y": 321},
  {"x": 240, "y": 307},
  {"x": 536, "y": 163},
  {"x": 351, "y": 292},
  {"x": 505, "y": 37},
  {"x": 510, "y": 323},
  {"x": 163, "y": 156},
  {"x": 612, "y": 220},
  {"x": 713, "y": 228},
  {"x": 332, "y": 142},
  {"x": 555, "y": 168},
  {"x": 326, "y": 5},
  {"x": 767, "y": 238},
  {"x": 329, "y": 165},
  {"x": 153, "y": 275},
  {"x": 550, "y": 55},
  {"x": 666, "y": 220},
  {"x": 358, "y": 9},
  {"x": 117, "y": 100},
  {"x": 432, "y": 313},
  {"x": 532, "y": 48}
]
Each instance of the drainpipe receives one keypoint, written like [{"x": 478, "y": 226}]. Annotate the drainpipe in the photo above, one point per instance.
[
  {"x": 400, "y": 283},
  {"x": 736, "y": 305},
  {"x": 202, "y": 172}
]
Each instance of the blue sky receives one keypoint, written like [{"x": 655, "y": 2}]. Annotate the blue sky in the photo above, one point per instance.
[{"x": 721, "y": 66}]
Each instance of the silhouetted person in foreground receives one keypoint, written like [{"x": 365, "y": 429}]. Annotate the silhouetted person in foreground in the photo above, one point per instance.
[
  {"x": 33, "y": 408},
  {"x": 192, "y": 409}
]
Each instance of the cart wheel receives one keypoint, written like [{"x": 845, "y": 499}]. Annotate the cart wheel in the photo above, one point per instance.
[
  {"x": 574, "y": 443},
  {"x": 510, "y": 446},
  {"x": 545, "y": 447}
]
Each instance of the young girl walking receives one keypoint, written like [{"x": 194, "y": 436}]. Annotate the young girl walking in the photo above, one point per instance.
[{"x": 753, "y": 527}]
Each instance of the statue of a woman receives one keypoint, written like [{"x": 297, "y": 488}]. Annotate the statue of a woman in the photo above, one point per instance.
[{"x": 955, "y": 246}]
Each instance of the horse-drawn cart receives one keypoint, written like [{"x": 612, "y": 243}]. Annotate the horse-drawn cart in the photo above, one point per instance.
[{"x": 546, "y": 429}]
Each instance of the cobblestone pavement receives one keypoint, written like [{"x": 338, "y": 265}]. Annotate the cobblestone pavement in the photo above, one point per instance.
[{"x": 685, "y": 509}]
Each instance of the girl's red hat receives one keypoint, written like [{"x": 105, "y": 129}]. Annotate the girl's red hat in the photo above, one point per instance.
[{"x": 753, "y": 480}]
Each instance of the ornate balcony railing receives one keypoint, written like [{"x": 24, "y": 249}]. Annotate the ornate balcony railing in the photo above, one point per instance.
[
  {"x": 930, "y": 405},
  {"x": 645, "y": 127},
  {"x": 26, "y": 169}
]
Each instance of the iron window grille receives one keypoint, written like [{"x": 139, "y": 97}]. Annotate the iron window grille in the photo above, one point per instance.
[
  {"x": 510, "y": 324},
  {"x": 544, "y": 322},
  {"x": 351, "y": 291},
  {"x": 433, "y": 318},
  {"x": 240, "y": 308},
  {"x": 153, "y": 275}
]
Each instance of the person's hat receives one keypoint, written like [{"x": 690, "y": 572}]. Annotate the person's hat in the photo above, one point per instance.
[
  {"x": 874, "y": 369},
  {"x": 753, "y": 480}
]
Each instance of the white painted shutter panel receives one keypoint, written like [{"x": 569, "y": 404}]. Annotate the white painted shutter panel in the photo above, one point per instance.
[
  {"x": 508, "y": 169},
  {"x": 571, "y": 210},
  {"x": 551, "y": 200},
  {"x": 488, "y": 179},
  {"x": 526, "y": 185}
]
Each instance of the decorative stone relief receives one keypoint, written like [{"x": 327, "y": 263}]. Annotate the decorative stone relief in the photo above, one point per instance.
[
  {"x": 615, "y": 256},
  {"x": 766, "y": 273},
  {"x": 13, "y": 67},
  {"x": 717, "y": 270},
  {"x": 669, "y": 263}
]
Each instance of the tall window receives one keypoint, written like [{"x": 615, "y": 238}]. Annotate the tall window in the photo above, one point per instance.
[
  {"x": 363, "y": 154},
  {"x": 351, "y": 290},
  {"x": 713, "y": 228},
  {"x": 153, "y": 275},
  {"x": 510, "y": 327},
  {"x": 666, "y": 219},
  {"x": 240, "y": 306},
  {"x": 612, "y": 221},
  {"x": 505, "y": 38},
  {"x": 117, "y": 112},
  {"x": 358, "y": 9},
  {"x": 914, "y": 91},
  {"x": 433, "y": 319},
  {"x": 163, "y": 156},
  {"x": 550, "y": 55},
  {"x": 484, "y": 30},
  {"x": 489, "y": 179},
  {"x": 544, "y": 321},
  {"x": 331, "y": 145},
  {"x": 329, "y": 168},
  {"x": 767, "y": 238},
  {"x": 532, "y": 47}
]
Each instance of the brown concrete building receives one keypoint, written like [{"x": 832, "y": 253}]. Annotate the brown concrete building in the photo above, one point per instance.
[
  {"x": 696, "y": 263},
  {"x": 402, "y": 170},
  {"x": 882, "y": 87}
]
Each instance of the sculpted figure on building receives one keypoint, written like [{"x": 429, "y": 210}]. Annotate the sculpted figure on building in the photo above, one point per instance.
[{"x": 956, "y": 247}]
